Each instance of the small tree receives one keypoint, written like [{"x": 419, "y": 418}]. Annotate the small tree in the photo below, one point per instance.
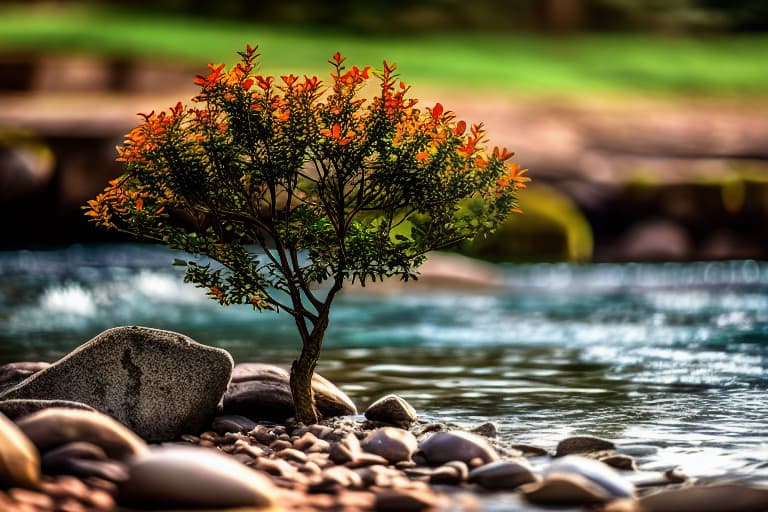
[{"x": 286, "y": 185}]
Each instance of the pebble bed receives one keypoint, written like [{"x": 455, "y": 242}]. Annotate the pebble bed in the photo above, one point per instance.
[{"x": 354, "y": 464}]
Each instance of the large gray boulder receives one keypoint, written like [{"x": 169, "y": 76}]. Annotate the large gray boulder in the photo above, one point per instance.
[{"x": 160, "y": 384}]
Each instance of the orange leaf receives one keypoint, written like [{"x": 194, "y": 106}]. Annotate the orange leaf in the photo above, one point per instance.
[
  {"x": 139, "y": 204},
  {"x": 460, "y": 128},
  {"x": 437, "y": 111},
  {"x": 247, "y": 84}
]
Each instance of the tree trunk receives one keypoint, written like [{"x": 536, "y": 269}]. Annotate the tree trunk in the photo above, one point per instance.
[{"x": 302, "y": 370}]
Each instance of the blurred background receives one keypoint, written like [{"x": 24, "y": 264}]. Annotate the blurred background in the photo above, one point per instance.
[{"x": 643, "y": 122}]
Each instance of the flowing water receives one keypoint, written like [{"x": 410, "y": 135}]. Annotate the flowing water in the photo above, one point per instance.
[{"x": 668, "y": 360}]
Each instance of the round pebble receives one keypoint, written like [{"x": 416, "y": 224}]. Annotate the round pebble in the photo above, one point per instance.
[
  {"x": 54, "y": 427},
  {"x": 182, "y": 476},
  {"x": 391, "y": 409},
  {"x": 442, "y": 447},
  {"x": 19, "y": 459},
  {"x": 582, "y": 444},
  {"x": 503, "y": 475},
  {"x": 595, "y": 471},
  {"x": 392, "y": 443}
]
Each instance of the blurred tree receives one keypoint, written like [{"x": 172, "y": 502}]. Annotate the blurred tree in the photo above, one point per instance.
[{"x": 399, "y": 16}]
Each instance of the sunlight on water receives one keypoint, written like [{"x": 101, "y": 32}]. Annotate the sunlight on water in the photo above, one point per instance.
[
  {"x": 68, "y": 300},
  {"x": 668, "y": 360}
]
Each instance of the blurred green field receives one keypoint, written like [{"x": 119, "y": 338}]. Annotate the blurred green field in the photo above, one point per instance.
[{"x": 730, "y": 66}]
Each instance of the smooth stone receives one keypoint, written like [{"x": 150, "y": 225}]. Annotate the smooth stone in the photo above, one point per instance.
[
  {"x": 83, "y": 460},
  {"x": 620, "y": 461},
  {"x": 565, "y": 488},
  {"x": 394, "y": 444},
  {"x": 160, "y": 384},
  {"x": 529, "y": 450},
  {"x": 657, "y": 478},
  {"x": 503, "y": 475},
  {"x": 232, "y": 423},
  {"x": 346, "y": 449},
  {"x": 486, "y": 429},
  {"x": 21, "y": 407},
  {"x": 110, "y": 470},
  {"x": 13, "y": 373},
  {"x": 185, "y": 476},
  {"x": 708, "y": 498},
  {"x": 406, "y": 500},
  {"x": 451, "y": 473},
  {"x": 442, "y": 447},
  {"x": 54, "y": 427},
  {"x": 262, "y": 392},
  {"x": 595, "y": 471},
  {"x": 19, "y": 459},
  {"x": 582, "y": 444},
  {"x": 76, "y": 450},
  {"x": 391, "y": 409}
]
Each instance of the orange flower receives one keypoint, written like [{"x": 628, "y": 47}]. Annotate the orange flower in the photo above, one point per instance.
[
  {"x": 289, "y": 79},
  {"x": 502, "y": 154},
  {"x": 212, "y": 77},
  {"x": 436, "y": 111},
  {"x": 264, "y": 82},
  {"x": 335, "y": 134}
]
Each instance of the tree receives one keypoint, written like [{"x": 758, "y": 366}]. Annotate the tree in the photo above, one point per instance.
[{"x": 291, "y": 188}]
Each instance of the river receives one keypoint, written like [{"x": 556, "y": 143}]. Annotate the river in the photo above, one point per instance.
[{"x": 668, "y": 360}]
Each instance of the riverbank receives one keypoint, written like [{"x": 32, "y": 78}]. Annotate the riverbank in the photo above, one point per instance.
[{"x": 61, "y": 454}]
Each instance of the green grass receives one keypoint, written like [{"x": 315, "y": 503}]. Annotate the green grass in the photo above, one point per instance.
[{"x": 528, "y": 63}]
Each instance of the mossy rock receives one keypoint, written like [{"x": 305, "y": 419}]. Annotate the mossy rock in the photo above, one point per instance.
[{"x": 551, "y": 228}]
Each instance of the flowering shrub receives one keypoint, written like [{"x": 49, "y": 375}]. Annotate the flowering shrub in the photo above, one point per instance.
[{"x": 289, "y": 182}]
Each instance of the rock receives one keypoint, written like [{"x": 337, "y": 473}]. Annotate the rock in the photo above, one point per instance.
[
  {"x": 708, "y": 498},
  {"x": 391, "y": 409},
  {"x": 565, "y": 488},
  {"x": 503, "y": 475},
  {"x": 442, "y": 447},
  {"x": 21, "y": 407},
  {"x": 54, "y": 427},
  {"x": 655, "y": 240},
  {"x": 657, "y": 478},
  {"x": 393, "y": 444},
  {"x": 440, "y": 272},
  {"x": 232, "y": 423},
  {"x": 262, "y": 392},
  {"x": 619, "y": 461},
  {"x": 19, "y": 459},
  {"x": 451, "y": 473},
  {"x": 158, "y": 383},
  {"x": 402, "y": 500},
  {"x": 582, "y": 444},
  {"x": 597, "y": 472},
  {"x": 13, "y": 373},
  {"x": 66, "y": 488},
  {"x": 31, "y": 500},
  {"x": 529, "y": 450},
  {"x": 486, "y": 429},
  {"x": 83, "y": 460},
  {"x": 181, "y": 476}
]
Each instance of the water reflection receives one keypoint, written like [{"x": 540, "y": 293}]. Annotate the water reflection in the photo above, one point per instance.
[{"x": 670, "y": 360}]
